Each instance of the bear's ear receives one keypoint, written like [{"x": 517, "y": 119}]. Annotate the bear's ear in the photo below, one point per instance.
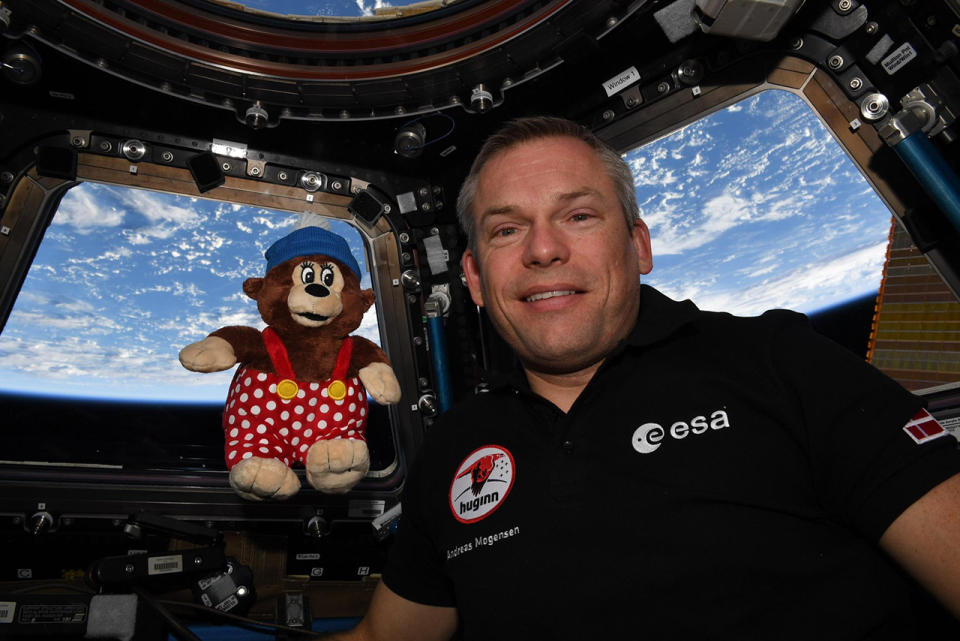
[
  {"x": 252, "y": 287},
  {"x": 367, "y": 296}
]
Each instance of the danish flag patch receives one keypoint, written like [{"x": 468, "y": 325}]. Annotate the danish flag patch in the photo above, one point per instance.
[{"x": 923, "y": 427}]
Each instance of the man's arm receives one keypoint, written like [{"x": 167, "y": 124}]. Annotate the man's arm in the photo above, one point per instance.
[
  {"x": 393, "y": 618},
  {"x": 925, "y": 540}
]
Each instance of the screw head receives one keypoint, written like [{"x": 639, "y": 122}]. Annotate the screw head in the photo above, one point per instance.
[
  {"x": 835, "y": 61},
  {"x": 856, "y": 83},
  {"x": 871, "y": 28}
]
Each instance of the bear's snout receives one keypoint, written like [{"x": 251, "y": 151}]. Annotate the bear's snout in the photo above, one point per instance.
[{"x": 317, "y": 291}]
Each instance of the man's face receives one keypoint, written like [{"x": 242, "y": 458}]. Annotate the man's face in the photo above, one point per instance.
[{"x": 555, "y": 265}]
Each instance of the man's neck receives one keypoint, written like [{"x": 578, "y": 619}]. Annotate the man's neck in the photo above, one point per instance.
[{"x": 561, "y": 389}]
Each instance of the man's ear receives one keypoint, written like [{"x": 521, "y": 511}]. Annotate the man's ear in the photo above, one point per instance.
[
  {"x": 472, "y": 272},
  {"x": 367, "y": 297},
  {"x": 640, "y": 235},
  {"x": 252, "y": 287}
]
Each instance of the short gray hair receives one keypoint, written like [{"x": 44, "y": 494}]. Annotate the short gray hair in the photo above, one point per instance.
[{"x": 524, "y": 130}]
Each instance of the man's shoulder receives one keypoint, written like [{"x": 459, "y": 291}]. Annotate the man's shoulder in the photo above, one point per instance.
[{"x": 663, "y": 316}]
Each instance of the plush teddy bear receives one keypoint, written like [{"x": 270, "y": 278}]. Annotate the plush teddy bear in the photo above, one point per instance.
[{"x": 299, "y": 395}]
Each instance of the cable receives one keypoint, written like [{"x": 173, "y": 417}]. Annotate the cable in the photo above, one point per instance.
[
  {"x": 61, "y": 585},
  {"x": 179, "y": 630},
  {"x": 240, "y": 619}
]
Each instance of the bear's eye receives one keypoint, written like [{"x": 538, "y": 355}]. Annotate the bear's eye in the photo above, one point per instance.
[
  {"x": 327, "y": 275},
  {"x": 307, "y": 275}
]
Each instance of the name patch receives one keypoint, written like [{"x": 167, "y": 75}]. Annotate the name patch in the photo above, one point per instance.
[{"x": 481, "y": 483}]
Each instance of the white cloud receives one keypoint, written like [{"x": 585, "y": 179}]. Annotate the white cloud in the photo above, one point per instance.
[
  {"x": 807, "y": 288},
  {"x": 85, "y": 210}
]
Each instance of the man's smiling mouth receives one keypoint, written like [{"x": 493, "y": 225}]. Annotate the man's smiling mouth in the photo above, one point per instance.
[{"x": 545, "y": 295}]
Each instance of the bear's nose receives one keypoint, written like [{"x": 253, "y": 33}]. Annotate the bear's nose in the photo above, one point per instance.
[{"x": 317, "y": 290}]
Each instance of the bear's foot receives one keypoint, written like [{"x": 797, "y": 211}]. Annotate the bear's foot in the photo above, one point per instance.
[
  {"x": 337, "y": 465},
  {"x": 257, "y": 479}
]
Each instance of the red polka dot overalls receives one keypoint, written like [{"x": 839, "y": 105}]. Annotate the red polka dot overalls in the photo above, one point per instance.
[{"x": 274, "y": 416}]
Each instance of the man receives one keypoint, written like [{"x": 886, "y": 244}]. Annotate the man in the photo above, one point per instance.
[{"x": 652, "y": 470}]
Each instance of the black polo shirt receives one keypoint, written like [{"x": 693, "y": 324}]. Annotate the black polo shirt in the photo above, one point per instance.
[{"x": 720, "y": 477}]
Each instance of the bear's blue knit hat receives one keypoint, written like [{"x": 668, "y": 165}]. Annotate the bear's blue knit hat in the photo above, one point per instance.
[{"x": 308, "y": 241}]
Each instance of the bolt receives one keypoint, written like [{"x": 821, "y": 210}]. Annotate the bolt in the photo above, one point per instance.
[
  {"x": 608, "y": 114},
  {"x": 128, "y": 568},
  {"x": 434, "y": 231},
  {"x": 198, "y": 560},
  {"x": 254, "y": 171},
  {"x": 404, "y": 237},
  {"x": 632, "y": 102},
  {"x": 105, "y": 145},
  {"x": 423, "y": 382},
  {"x": 166, "y": 156},
  {"x": 931, "y": 21},
  {"x": 663, "y": 87},
  {"x": 796, "y": 43},
  {"x": 835, "y": 61},
  {"x": 344, "y": 114},
  {"x": 438, "y": 204},
  {"x": 77, "y": 141},
  {"x": 6, "y": 177},
  {"x": 871, "y": 28},
  {"x": 424, "y": 192},
  {"x": 282, "y": 175},
  {"x": 845, "y": 5},
  {"x": 406, "y": 257},
  {"x": 386, "y": 209},
  {"x": 426, "y": 207},
  {"x": 226, "y": 166},
  {"x": 856, "y": 84},
  {"x": 611, "y": 22},
  {"x": 337, "y": 185},
  {"x": 417, "y": 340}
]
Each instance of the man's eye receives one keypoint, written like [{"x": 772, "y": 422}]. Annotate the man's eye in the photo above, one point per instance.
[
  {"x": 580, "y": 216},
  {"x": 504, "y": 231}
]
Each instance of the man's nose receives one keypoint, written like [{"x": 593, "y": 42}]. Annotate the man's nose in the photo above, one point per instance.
[{"x": 545, "y": 244}]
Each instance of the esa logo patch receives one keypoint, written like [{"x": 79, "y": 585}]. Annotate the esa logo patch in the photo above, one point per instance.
[
  {"x": 649, "y": 437},
  {"x": 923, "y": 427},
  {"x": 481, "y": 483}
]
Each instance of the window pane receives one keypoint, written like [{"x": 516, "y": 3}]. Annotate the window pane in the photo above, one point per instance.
[
  {"x": 125, "y": 278},
  {"x": 755, "y": 207}
]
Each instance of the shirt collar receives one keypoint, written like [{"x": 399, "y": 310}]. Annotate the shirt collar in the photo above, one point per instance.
[{"x": 660, "y": 317}]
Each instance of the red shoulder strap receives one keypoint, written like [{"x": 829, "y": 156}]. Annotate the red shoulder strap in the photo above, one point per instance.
[
  {"x": 278, "y": 353},
  {"x": 343, "y": 360}
]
